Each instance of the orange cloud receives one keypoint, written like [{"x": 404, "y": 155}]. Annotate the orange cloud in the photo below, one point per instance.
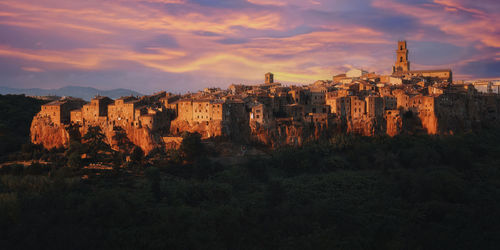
[
  {"x": 480, "y": 26},
  {"x": 117, "y": 33},
  {"x": 32, "y": 69},
  {"x": 268, "y": 2},
  {"x": 140, "y": 18}
]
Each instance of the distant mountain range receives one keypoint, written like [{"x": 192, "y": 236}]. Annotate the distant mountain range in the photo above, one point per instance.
[{"x": 85, "y": 93}]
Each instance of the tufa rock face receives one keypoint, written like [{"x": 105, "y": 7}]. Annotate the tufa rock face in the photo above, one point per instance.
[
  {"x": 367, "y": 126},
  {"x": 53, "y": 135},
  {"x": 206, "y": 129},
  {"x": 394, "y": 122},
  {"x": 269, "y": 114},
  {"x": 292, "y": 133},
  {"x": 47, "y": 133},
  {"x": 142, "y": 137}
]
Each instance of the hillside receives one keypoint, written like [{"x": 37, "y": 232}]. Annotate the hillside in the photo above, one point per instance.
[
  {"x": 16, "y": 112},
  {"x": 407, "y": 192},
  {"x": 85, "y": 93}
]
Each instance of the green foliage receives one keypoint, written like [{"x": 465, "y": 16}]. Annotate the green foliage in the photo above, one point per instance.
[
  {"x": 137, "y": 155},
  {"x": 406, "y": 192},
  {"x": 153, "y": 176},
  {"x": 121, "y": 138},
  {"x": 94, "y": 140},
  {"x": 117, "y": 160},
  {"x": 75, "y": 160},
  {"x": 74, "y": 132},
  {"x": 17, "y": 112},
  {"x": 191, "y": 146}
]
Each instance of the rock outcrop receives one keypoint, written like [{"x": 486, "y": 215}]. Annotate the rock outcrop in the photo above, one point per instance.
[
  {"x": 47, "y": 133},
  {"x": 292, "y": 133},
  {"x": 206, "y": 129},
  {"x": 53, "y": 135}
]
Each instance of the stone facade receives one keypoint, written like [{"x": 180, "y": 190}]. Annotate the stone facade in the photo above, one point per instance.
[
  {"x": 402, "y": 64},
  {"x": 269, "y": 113}
]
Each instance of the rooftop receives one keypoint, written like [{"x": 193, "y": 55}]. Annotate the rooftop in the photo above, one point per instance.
[{"x": 431, "y": 70}]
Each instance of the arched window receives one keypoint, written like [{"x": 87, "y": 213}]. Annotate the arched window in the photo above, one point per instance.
[
  {"x": 401, "y": 48},
  {"x": 401, "y": 59}
]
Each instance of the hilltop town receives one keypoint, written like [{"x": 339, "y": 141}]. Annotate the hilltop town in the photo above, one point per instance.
[{"x": 360, "y": 102}]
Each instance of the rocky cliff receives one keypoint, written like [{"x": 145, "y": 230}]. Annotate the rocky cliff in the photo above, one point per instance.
[
  {"x": 366, "y": 126},
  {"x": 50, "y": 135},
  {"x": 292, "y": 133},
  {"x": 205, "y": 129}
]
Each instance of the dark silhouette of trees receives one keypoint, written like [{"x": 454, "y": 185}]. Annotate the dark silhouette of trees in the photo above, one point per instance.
[
  {"x": 75, "y": 160},
  {"x": 404, "y": 192},
  {"x": 16, "y": 112},
  {"x": 120, "y": 137},
  {"x": 191, "y": 146},
  {"x": 137, "y": 155},
  {"x": 74, "y": 132},
  {"x": 94, "y": 140}
]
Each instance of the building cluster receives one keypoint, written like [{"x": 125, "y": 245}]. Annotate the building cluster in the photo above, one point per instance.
[
  {"x": 348, "y": 102},
  {"x": 100, "y": 111}
]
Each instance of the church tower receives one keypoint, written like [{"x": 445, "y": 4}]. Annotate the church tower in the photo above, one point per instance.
[
  {"x": 269, "y": 78},
  {"x": 402, "y": 63}
]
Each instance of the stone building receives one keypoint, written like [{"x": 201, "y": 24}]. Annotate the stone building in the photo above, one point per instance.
[
  {"x": 390, "y": 102},
  {"x": 402, "y": 68},
  {"x": 59, "y": 111},
  {"x": 355, "y": 73},
  {"x": 374, "y": 106},
  {"x": 358, "y": 107},
  {"x": 402, "y": 64},
  {"x": 355, "y": 102},
  {"x": 260, "y": 113},
  {"x": 341, "y": 106},
  {"x": 318, "y": 94},
  {"x": 122, "y": 111},
  {"x": 208, "y": 110},
  {"x": 269, "y": 78},
  {"x": 439, "y": 74},
  {"x": 96, "y": 110}
]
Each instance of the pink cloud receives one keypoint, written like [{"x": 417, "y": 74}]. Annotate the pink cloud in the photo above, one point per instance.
[
  {"x": 478, "y": 26},
  {"x": 278, "y": 38}
]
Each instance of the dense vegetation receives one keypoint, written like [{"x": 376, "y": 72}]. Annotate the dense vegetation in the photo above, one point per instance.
[
  {"x": 406, "y": 192},
  {"x": 16, "y": 113},
  {"x": 418, "y": 192}
]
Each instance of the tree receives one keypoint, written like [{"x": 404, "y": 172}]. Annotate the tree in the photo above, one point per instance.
[
  {"x": 191, "y": 146},
  {"x": 117, "y": 160},
  {"x": 153, "y": 175},
  {"x": 74, "y": 132},
  {"x": 75, "y": 147},
  {"x": 94, "y": 139},
  {"x": 120, "y": 137},
  {"x": 137, "y": 155},
  {"x": 75, "y": 160}
]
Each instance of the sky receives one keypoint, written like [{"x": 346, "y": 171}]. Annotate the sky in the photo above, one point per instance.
[{"x": 186, "y": 45}]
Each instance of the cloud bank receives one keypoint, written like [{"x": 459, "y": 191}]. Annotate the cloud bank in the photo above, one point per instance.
[{"x": 184, "y": 45}]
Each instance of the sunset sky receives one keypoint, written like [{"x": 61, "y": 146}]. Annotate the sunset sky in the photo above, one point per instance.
[{"x": 181, "y": 45}]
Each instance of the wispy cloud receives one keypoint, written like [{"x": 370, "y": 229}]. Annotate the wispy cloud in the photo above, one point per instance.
[{"x": 300, "y": 41}]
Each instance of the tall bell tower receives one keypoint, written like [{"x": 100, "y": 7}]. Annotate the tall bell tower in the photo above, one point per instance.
[
  {"x": 269, "y": 78},
  {"x": 402, "y": 63}
]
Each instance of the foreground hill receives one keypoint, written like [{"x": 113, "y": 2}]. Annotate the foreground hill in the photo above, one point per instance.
[
  {"x": 406, "y": 192},
  {"x": 85, "y": 93},
  {"x": 16, "y": 112}
]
